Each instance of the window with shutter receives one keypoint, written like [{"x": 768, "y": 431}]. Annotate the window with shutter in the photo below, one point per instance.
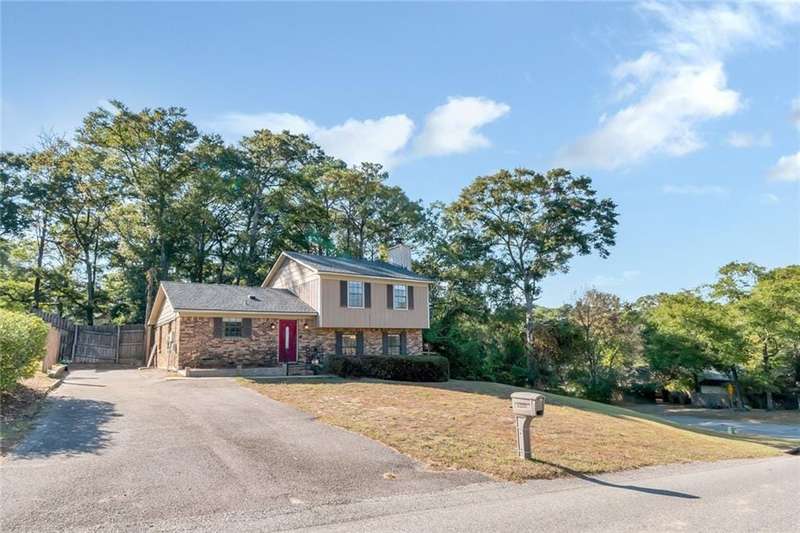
[
  {"x": 355, "y": 294},
  {"x": 393, "y": 344},
  {"x": 231, "y": 327},
  {"x": 400, "y": 297}
]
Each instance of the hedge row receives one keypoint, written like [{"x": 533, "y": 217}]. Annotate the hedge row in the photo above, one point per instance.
[
  {"x": 393, "y": 367},
  {"x": 22, "y": 344}
]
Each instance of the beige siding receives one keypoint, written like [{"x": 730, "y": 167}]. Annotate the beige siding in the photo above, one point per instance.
[
  {"x": 378, "y": 315},
  {"x": 301, "y": 280},
  {"x": 167, "y": 313}
]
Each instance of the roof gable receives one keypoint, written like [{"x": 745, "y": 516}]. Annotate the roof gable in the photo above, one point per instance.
[{"x": 349, "y": 266}]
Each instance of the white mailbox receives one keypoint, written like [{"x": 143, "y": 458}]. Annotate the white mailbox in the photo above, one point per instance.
[{"x": 526, "y": 406}]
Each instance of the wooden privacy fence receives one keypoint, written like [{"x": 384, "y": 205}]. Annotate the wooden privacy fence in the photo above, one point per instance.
[{"x": 97, "y": 344}]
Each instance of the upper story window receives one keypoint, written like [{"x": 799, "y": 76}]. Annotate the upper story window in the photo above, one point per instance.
[
  {"x": 231, "y": 327},
  {"x": 400, "y": 297},
  {"x": 355, "y": 294}
]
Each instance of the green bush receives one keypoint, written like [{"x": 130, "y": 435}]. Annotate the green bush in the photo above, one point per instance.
[
  {"x": 22, "y": 345},
  {"x": 394, "y": 367}
]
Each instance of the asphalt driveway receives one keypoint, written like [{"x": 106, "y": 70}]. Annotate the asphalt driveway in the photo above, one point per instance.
[{"x": 124, "y": 447}]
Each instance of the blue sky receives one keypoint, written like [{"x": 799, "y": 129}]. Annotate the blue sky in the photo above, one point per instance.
[{"x": 686, "y": 115}]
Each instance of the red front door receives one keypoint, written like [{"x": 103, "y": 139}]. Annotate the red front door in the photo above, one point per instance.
[{"x": 287, "y": 341}]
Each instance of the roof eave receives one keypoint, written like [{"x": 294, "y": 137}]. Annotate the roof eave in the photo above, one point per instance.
[
  {"x": 245, "y": 312},
  {"x": 366, "y": 276}
]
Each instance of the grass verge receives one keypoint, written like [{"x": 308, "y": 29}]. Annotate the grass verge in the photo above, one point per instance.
[{"x": 469, "y": 425}]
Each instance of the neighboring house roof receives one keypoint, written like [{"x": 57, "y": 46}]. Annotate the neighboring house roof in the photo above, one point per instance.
[
  {"x": 354, "y": 267},
  {"x": 214, "y": 297},
  {"x": 713, "y": 375}
]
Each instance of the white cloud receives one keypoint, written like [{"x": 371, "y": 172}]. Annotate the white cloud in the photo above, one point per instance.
[
  {"x": 675, "y": 87},
  {"x": 452, "y": 128},
  {"x": 695, "y": 190},
  {"x": 787, "y": 168},
  {"x": 615, "y": 281},
  {"x": 375, "y": 140},
  {"x": 378, "y": 141},
  {"x": 741, "y": 139},
  {"x": 768, "y": 198}
]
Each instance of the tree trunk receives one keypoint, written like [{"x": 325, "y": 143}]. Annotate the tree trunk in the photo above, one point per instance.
[
  {"x": 767, "y": 370},
  {"x": 89, "y": 289},
  {"x": 37, "y": 281},
  {"x": 533, "y": 363},
  {"x": 150, "y": 276},
  {"x": 737, "y": 392}
]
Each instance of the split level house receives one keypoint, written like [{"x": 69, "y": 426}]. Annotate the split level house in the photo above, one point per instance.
[{"x": 308, "y": 306}]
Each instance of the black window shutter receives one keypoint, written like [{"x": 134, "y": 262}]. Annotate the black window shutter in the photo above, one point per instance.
[
  {"x": 247, "y": 327},
  {"x": 385, "y": 343},
  {"x": 338, "y": 343},
  {"x": 218, "y": 327},
  {"x": 403, "y": 347},
  {"x": 367, "y": 295},
  {"x": 410, "y": 296},
  {"x": 342, "y": 293},
  {"x": 360, "y": 343},
  {"x": 390, "y": 296}
]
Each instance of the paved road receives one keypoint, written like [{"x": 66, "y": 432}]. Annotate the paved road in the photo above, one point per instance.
[
  {"x": 744, "y": 427},
  {"x": 126, "y": 448},
  {"x": 131, "y": 450},
  {"x": 735, "y": 496}
]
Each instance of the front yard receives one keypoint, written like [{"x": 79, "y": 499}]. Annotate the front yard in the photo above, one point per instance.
[{"x": 468, "y": 425}]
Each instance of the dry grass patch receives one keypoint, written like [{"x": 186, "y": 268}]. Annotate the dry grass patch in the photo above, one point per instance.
[{"x": 469, "y": 425}]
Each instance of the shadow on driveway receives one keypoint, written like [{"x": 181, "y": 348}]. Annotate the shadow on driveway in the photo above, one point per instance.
[{"x": 69, "y": 426}]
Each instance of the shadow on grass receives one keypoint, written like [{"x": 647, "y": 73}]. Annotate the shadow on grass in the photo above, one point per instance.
[
  {"x": 635, "y": 488},
  {"x": 68, "y": 426}
]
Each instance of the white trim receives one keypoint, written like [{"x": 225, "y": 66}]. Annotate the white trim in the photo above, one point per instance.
[
  {"x": 242, "y": 314},
  {"x": 335, "y": 275}
]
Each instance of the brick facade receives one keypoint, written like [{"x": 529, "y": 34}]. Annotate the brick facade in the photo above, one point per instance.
[{"x": 198, "y": 348}]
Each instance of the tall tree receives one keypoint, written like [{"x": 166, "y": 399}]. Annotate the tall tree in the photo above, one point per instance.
[
  {"x": 47, "y": 167},
  {"x": 83, "y": 231},
  {"x": 771, "y": 315},
  {"x": 367, "y": 213},
  {"x": 13, "y": 168},
  {"x": 609, "y": 340},
  {"x": 685, "y": 335},
  {"x": 532, "y": 225},
  {"x": 150, "y": 151},
  {"x": 272, "y": 163}
]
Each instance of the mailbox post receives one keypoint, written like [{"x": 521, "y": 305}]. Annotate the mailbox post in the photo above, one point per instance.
[{"x": 526, "y": 406}]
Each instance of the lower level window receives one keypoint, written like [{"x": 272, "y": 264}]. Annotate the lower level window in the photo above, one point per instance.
[
  {"x": 231, "y": 327},
  {"x": 349, "y": 344},
  {"x": 393, "y": 344}
]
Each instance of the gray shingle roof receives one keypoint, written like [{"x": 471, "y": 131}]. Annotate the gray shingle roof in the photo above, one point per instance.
[
  {"x": 356, "y": 267},
  {"x": 213, "y": 297}
]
